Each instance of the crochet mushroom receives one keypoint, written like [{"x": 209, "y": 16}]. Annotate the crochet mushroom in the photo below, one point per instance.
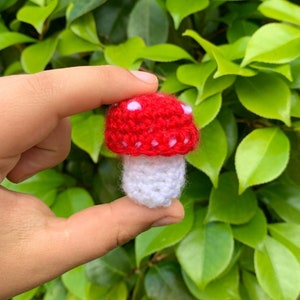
[{"x": 152, "y": 133}]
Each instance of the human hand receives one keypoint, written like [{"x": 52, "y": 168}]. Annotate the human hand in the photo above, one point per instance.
[{"x": 36, "y": 246}]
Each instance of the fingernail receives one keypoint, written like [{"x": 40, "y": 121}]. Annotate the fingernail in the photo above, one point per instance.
[
  {"x": 166, "y": 221},
  {"x": 145, "y": 76}
]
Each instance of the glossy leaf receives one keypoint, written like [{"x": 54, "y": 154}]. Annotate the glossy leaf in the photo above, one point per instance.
[
  {"x": 36, "y": 15},
  {"x": 164, "y": 282},
  {"x": 281, "y": 10},
  {"x": 36, "y": 57},
  {"x": 109, "y": 269},
  {"x": 225, "y": 65},
  {"x": 265, "y": 95},
  {"x": 253, "y": 289},
  {"x": 210, "y": 155},
  {"x": 148, "y": 21},
  {"x": 55, "y": 290},
  {"x": 206, "y": 252},
  {"x": 76, "y": 282},
  {"x": 261, "y": 157},
  {"x": 115, "y": 54},
  {"x": 226, "y": 205},
  {"x": 284, "y": 198},
  {"x": 70, "y": 201},
  {"x": 159, "y": 238},
  {"x": 8, "y": 39},
  {"x": 273, "y": 43},
  {"x": 85, "y": 28},
  {"x": 70, "y": 43},
  {"x": 43, "y": 185},
  {"x": 118, "y": 291},
  {"x": 229, "y": 125},
  {"x": 78, "y": 8},
  {"x": 253, "y": 232},
  {"x": 289, "y": 235},
  {"x": 282, "y": 69},
  {"x": 206, "y": 111},
  {"x": 240, "y": 28},
  {"x": 179, "y": 9},
  {"x": 6, "y": 4},
  {"x": 27, "y": 295},
  {"x": 282, "y": 279},
  {"x": 87, "y": 133},
  {"x": 165, "y": 53},
  {"x": 224, "y": 287}
]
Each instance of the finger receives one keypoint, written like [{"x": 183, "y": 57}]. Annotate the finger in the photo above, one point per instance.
[
  {"x": 93, "y": 232},
  {"x": 34, "y": 103},
  {"x": 46, "y": 154},
  {"x": 48, "y": 246}
]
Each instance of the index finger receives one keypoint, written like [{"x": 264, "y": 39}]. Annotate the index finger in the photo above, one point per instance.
[{"x": 31, "y": 105}]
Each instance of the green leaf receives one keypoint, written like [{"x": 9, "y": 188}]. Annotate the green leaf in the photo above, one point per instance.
[
  {"x": 261, "y": 157},
  {"x": 240, "y": 28},
  {"x": 6, "y": 4},
  {"x": 69, "y": 43},
  {"x": 76, "y": 282},
  {"x": 289, "y": 235},
  {"x": 281, "y": 10},
  {"x": 27, "y": 295},
  {"x": 229, "y": 125},
  {"x": 110, "y": 269},
  {"x": 43, "y": 185},
  {"x": 277, "y": 270},
  {"x": 36, "y": 57},
  {"x": 196, "y": 75},
  {"x": 164, "y": 282},
  {"x": 87, "y": 132},
  {"x": 114, "y": 54},
  {"x": 265, "y": 95},
  {"x": 226, "y": 205},
  {"x": 118, "y": 291},
  {"x": 206, "y": 252},
  {"x": 253, "y": 289},
  {"x": 205, "y": 112},
  {"x": 224, "y": 287},
  {"x": 148, "y": 21},
  {"x": 55, "y": 290},
  {"x": 211, "y": 153},
  {"x": 36, "y": 15},
  {"x": 282, "y": 69},
  {"x": 159, "y": 238},
  {"x": 181, "y": 9},
  {"x": 71, "y": 201},
  {"x": 225, "y": 65},
  {"x": 273, "y": 43},
  {"x": 253, "y": 232},
  {"x": 164, "y": 53},
  {"x": 8, "y": 39},
  {"x": 78, "y": 8},
  {"x": 295, "y": 104},
  {"x": 85, "y": 28},
  {"x": 284, "y": 197}
]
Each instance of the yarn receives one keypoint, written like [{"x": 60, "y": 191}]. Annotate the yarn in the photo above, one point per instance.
[
  {"x": 152, "y": 132},
  {"x": 155, "y": 124},
  {"x": 153, "y": 180}
]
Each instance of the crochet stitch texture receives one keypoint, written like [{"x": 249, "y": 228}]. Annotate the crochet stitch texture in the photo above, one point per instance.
[
  {"x": 152, "y": 133},
  {"x": 155, "y": 124}
]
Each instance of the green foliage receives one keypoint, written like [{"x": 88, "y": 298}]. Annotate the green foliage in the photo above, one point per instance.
[{"x": 237, "y": 64}]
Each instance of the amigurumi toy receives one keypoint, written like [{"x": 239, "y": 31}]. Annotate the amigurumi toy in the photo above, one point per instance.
[{"x": 152, "y": 133}]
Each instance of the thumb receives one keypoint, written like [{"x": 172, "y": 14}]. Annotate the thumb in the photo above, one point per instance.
[{"x": 93, "y": 232}]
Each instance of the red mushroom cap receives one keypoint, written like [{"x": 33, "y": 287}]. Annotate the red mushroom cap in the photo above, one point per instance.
[{"x": 153, "y": 124}]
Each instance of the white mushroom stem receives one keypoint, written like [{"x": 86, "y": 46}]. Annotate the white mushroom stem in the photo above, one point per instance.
[{"x": 153, "y": 180}]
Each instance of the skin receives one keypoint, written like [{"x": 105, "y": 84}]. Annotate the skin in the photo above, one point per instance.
[{"x": 35, "y": 245}]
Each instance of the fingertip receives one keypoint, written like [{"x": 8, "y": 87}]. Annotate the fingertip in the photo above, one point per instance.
[{"x": 145, "y": 77}]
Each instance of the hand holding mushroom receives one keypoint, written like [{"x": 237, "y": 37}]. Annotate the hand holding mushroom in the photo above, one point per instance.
[{"x": 152, "y": 133}]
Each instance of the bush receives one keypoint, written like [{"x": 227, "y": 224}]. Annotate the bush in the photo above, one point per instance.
[{"x": 237, "y": 63}]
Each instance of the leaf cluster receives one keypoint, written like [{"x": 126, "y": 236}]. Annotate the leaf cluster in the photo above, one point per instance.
[{"x": 237, "y": 64}]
